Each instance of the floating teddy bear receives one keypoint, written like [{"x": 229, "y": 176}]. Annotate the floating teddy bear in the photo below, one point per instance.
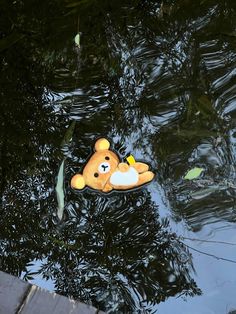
[{"x": 105, "y": 172}]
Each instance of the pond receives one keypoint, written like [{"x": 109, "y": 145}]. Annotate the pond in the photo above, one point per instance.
[{"x": 158, "y": 80}]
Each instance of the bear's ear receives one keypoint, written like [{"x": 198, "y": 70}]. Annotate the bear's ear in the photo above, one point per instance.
[
  {"x": 77, "y": 182},
  {"x": 102, "y": 144}
]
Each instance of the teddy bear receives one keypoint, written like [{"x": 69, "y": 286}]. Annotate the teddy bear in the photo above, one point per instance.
[{"x": 105, "y": 172}]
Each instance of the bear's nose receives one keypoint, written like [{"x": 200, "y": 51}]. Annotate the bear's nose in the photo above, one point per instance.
[{"x": 104, "y": 167}]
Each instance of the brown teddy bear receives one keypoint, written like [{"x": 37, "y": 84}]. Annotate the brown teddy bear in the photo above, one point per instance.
[{"x": 105, "y": 172}]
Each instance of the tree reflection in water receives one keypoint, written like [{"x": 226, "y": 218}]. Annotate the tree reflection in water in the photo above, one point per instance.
[
  {"x": 145, "y": 81},
  {"x": 111, "y": 251}
]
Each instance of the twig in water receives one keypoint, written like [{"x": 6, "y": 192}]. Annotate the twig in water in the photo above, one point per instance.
[
  {"x": 209, "y": 241},
  {"x": 211, "y": 255}
]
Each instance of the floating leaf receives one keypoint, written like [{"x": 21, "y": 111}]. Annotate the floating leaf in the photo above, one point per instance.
[
  {"x": 60, "y": 191},
  {"x": 69, "y": 134},
  {"x": 77, "y": 40},
  {"x": 193, "y": 173}
]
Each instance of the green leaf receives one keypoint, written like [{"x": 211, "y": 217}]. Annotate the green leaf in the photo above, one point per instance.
[
  {"x": 60, "y": 191},
  {"x": 193, "y": 173},
  {"x": 77, "y": 40},
  {"x": 69, "y": 134}
]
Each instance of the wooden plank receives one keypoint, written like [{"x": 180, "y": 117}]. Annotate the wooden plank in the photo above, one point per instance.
[
  {"x": 20, "y": 297},
  {"x": 40, "y": 301},
  {"x": 12, "y": 293}
]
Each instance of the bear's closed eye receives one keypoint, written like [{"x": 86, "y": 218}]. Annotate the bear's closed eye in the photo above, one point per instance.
[
  {"x": 107, "y": 158},
  {"x": 96, "y": 174}
]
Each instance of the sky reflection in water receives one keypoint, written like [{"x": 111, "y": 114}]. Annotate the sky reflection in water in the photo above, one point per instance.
[{"x": 158, "y": 80}]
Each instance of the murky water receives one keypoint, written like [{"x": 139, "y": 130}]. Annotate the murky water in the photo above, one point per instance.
[{"x": 158, "y": 80}]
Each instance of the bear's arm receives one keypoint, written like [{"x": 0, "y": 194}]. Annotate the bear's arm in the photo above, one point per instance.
[
  {"x": 123, "y": 167},
  {"x": 107, "y": 187}
]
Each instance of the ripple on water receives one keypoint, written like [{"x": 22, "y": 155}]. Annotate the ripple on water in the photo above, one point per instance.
[
  {"x": 219, "y": 62},
  {"x": 161, "y": 85}
]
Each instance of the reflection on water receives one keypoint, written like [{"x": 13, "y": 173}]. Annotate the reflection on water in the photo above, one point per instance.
[{"x": 157, "y": 79}]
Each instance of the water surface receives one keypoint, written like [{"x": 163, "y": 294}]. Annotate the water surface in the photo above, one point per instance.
[{"x": 157, "y": 79}]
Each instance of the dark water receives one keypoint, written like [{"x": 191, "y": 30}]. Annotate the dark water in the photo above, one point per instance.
[{"x": 158, "y": 79}]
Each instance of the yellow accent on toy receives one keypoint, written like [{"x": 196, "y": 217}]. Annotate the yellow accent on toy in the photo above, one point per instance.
[{"x": 131, "y": 159}]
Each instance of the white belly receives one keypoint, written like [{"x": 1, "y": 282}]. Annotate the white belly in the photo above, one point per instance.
[{"x": 129, "y": 177}]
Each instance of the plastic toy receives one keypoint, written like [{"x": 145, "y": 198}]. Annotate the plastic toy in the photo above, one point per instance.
[{"x": 105, "y": 172}]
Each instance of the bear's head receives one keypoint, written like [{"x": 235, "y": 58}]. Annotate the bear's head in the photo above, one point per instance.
[{"x": 98, "y": 169}]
